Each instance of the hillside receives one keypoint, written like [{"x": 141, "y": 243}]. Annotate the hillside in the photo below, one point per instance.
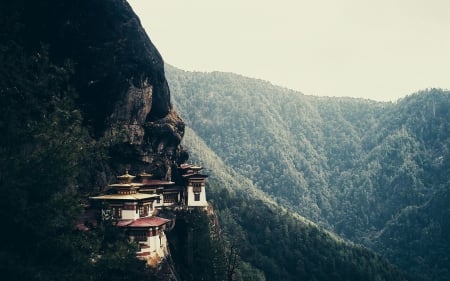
[
  {"x": 84, "y": 97},
  {"x": 267, "y": 242},
  {"x": 372, "y": 172}
]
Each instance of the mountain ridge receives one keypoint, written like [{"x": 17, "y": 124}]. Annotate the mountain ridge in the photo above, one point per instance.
[{"x": 310, "y": 154}]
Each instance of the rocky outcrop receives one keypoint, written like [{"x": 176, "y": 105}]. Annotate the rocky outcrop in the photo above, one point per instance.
[{"x": 118, "y": 74}]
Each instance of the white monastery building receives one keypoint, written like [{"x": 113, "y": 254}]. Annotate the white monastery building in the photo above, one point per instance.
[{"x": 133, "y": 203}]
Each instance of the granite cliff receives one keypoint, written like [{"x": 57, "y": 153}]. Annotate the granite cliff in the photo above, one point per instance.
[
  {"x": 83, "y": 96},
  {"x": 117, "y": 73}
]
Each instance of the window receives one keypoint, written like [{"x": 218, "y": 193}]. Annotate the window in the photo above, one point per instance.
[
  {"x": 117, "y": 212},
  {"x": 170, "y": 198},
  {"x": 197, "y": 187},
  {"x": 196, "y": 196},
  {"x": 140, "y": 235},
  {"x": 143, "y": 210}
]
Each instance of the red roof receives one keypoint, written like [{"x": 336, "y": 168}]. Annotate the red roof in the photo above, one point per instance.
[
  {"x": 124, "y": 222},
  {"x": 149, "y": 222}
]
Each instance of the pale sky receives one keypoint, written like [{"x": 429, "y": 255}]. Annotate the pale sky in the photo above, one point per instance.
[{"x": 377, "y": 49}]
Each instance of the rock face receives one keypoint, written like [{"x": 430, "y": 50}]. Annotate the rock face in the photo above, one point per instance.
[{"x": 118, "y": 74}]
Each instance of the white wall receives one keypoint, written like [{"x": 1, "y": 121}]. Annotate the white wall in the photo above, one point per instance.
[
  {"x": 129, "y": 214},
  {"x": 158, "y": 245},
  {"x": 192, "y": 202}
]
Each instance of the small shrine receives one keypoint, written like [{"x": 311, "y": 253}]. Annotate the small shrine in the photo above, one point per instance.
[{"x": 195, "y": 184}]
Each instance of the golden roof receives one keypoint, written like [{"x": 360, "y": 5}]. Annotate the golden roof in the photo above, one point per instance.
[
  {"x": 126, "y": 185},
  {"x": 144, "y": 174},
  {"x": 136, "y": 196},
  {"x": 126, "y": 177}
]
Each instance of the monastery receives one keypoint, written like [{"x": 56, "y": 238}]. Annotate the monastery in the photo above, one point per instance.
[{"x": 134, "y": 202}]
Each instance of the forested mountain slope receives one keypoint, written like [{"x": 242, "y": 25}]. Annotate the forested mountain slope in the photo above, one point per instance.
[
  {"x": 264, "y": 241},
  {"x": 373, "y": 172},
  {"x": 82, "y": 97}
]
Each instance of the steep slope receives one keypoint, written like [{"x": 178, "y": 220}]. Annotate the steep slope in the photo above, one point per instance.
[
  {"x": 82, "y": 97},
  {"x": 264, "y": 241},
  {"x": 417, "y": 237},
  {"x": 351, "y": 165},
  {"x": 286, "y": 247},
  {"x": 116, "y": 71},
  {"x": 288, "y": 144}
]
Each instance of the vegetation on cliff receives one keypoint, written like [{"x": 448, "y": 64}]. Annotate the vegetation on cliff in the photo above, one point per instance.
[
  {"x": 53, "y": 150},
  {"x": 196, "y": 246},
  {"x": 44, "y": 153}
]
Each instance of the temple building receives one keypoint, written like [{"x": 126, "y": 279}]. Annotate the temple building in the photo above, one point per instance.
[
  {"x": 168, "y": 194},
  {"x": 195, "y": 183},
  {"x": 149, "y": 233},
  {"x": 134, "y": 202},
  {"x": 133, "y": 212}
]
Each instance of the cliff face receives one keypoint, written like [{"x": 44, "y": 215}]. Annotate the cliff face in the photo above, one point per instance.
[{"x": 117, "y": 72}]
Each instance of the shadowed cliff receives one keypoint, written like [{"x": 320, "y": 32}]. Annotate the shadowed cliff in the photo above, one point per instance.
[
  {"x": 117, "y": 73},
  {"x": 83, "y": 96}
]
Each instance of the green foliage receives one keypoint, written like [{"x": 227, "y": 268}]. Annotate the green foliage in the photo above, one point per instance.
[
  {"x": 116, "y": 257},
  {"x": 196, "y": 247},
  {"x": 419, "y": 233},
  {"x": 43, "y": 150},
  {"x": 38, "y": 154},
  {"x": 350, "y": 165},
  {"x": 283, "y": 247}
]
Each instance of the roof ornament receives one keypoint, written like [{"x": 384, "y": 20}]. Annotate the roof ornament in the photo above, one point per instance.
[{"x": 126, "y": 178}]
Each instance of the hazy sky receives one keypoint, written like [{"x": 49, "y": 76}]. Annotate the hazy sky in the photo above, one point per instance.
[{"x": 377, "y": 49}]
